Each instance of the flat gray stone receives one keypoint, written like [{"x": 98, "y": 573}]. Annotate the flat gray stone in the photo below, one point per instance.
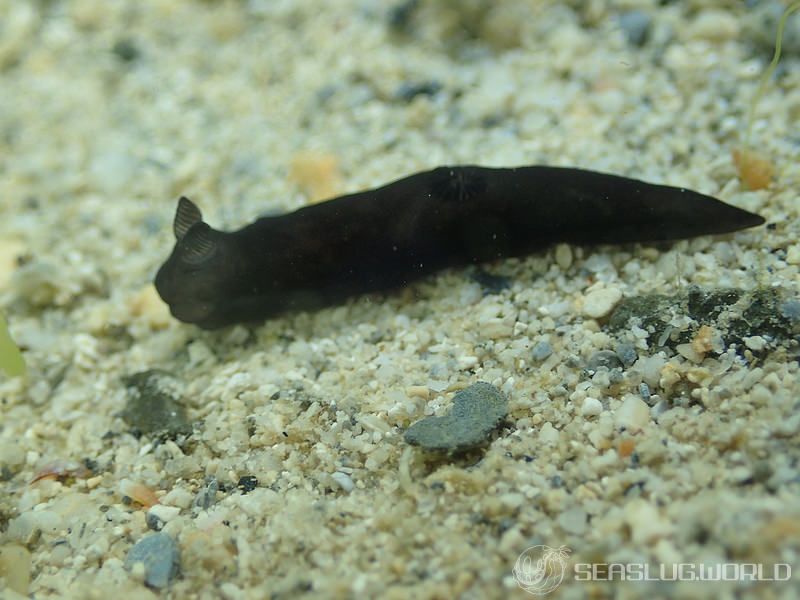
[
  {"x": 161, "y": 558},
  {"x": 477, "y": 411}
]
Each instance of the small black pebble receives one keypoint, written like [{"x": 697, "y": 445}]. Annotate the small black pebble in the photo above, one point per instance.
[
  {"x": 491, "y": 284},
  {"x": 247, "y": 483},
  {"x": 125, "y": 50},
  {"x": 153, "y": 522},
  {"x": 410, "y": 90},
  {"x": 399, "y": 16}
]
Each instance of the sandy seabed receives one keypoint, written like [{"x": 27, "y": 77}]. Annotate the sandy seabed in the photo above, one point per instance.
[{"x": 686, "y": 453}]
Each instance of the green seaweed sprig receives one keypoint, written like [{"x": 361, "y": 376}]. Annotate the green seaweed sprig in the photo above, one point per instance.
[
  {"x": 11, "y": 359},
  {"x": 756, "y": 171},
  {"x": 767, "y": 75}
]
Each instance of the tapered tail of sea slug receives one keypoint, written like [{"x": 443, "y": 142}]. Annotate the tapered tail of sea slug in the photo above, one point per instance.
[
  {"x": 662, "y": 213},
  {"x": 600, "y": 208},
  {"x": 545, "y": 205}
]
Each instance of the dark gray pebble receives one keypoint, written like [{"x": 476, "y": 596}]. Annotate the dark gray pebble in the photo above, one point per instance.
[
  {"x": 477, "y": 411},
  {"x": 153, "y": 522},
  {"x": 627, "y": 354},
  {"x": 126, "y": 50},
  {"x": 636, "y": 26},
  {"x": 152, "y": 407},
  {"x": 161, "y": 558},
  {"x": 541, "y": 351}
]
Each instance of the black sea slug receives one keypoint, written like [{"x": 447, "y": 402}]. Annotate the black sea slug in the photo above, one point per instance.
[{"x": 385, "y": 238}]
